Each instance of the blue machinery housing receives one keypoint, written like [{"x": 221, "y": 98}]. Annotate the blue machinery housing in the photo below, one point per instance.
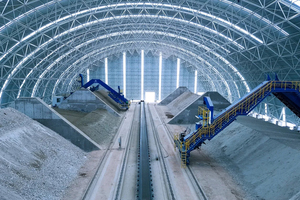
[
  {"x": 286, "y": 91},
  {"x": 118, "y": 97}
]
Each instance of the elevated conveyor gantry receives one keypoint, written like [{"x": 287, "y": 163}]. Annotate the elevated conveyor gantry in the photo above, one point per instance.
[{"x": 286, "y": 91}]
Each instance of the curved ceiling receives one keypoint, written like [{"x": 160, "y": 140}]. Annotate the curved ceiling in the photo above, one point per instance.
[{"x": 232, "y": 44}]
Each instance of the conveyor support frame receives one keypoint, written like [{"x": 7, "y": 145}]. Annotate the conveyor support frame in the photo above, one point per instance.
[{"x": 289, "y": 89}]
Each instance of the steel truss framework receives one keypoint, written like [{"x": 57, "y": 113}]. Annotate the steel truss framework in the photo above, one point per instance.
[{"x": 232, "y": 44}]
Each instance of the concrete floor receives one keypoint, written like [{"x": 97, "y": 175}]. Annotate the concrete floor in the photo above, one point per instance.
[
  {"x": 251, "y": 159},
  {"x": 105, "y": 184},
  {"x": 214, "y": 179},
  {"x": 209, "y": 173}
]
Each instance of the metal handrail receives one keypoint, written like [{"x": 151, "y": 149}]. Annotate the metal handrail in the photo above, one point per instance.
[{"x": 243, "y": 107}]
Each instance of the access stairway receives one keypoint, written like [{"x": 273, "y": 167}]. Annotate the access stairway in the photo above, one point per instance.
[{"x": 286, "y": 91}]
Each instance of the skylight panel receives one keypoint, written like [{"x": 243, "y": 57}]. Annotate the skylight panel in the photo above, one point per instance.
[
  {"x": 196, "y": 80},
  {"x": 124, "y": 74},
  {"x": 178, "y": 72},
  {"x": 106, "y": 70},
  {"x": 297, "y": 2},
  {"x": 87, "y": 75},
  {"x": 142, "y": 74},
  {"x": 159, "y": 76}
]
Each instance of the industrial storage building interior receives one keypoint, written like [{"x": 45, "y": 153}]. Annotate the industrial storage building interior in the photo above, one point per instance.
[{"x": 164, "y": 99}]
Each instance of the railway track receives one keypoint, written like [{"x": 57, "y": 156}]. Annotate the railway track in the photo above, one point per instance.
[
  {"x": 144, "y": 188},
  {"x": 130, "y": 145},
  {"x": 92, "y": 185},
  {"x": 164, "y": 169},
  {"x": 137, "y": 152},
  {"x": 199, "y": 191},
  {"x": 133, "y": 179}
]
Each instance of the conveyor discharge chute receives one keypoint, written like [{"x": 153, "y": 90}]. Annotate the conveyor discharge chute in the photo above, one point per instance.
[
  {"x": 118, "y": 97},
  {"x": 286, "y": 91}
]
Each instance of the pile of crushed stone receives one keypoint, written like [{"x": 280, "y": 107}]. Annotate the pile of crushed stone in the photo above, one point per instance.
[
  {"x": 100, "y": 125},
  {"x": 181, "y": 102},
  {"x": 35, "y": 162},
  {"x": 261, "y": 156}
]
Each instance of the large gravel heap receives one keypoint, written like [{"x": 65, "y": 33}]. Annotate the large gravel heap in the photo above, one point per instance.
[
  {"x": 181, "y": 102},
  {"x": 35, "y": 162},
  {"x": 100, "y": 125},
  {"x": 263, "y": 157}
]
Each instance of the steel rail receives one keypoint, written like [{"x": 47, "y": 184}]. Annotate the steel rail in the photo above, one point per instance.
[
  {"x": 125, "y": 159},
  {"x": 101, "y": 163},
  {"x": 161, "y": 158},
  {"x": 198, "y": 189}
]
